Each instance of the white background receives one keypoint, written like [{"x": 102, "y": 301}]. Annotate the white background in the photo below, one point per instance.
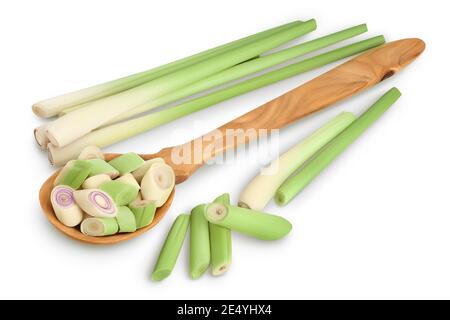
[{"x": 375, "y": 224}]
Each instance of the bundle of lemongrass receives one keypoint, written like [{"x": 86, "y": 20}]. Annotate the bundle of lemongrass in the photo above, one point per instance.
[{"x": 111, "y": 112}]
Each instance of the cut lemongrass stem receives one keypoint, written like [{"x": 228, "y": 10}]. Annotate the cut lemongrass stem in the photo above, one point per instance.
[
  {"x": 122, "y": 193},
  {"x": 120, "y": 131},
  {"x": 142, "y": 170},
  {"x": 245, "y": 69},
  {"x": 253, "y": 223},
  {"x": 126, "y": 220},
  {"x": 99, "y": 227},
  {"x": 262, "y": 188},
  {"x": 144, "y": 212},
  {"x": 158, "y": 183},
  {"x": 291, "y": 187},
  {"x": 96, "y": 203},
  {"x": 127, "y": 162},
  {"x": 91, "y": 152},
  {"x": 62, "y": 131},
  {"x": 40, "y": 134},
  {"x": 53, "y": 106},
  {"x": 94, "y": 182},
  {"x": 130, "y": 180},
  {"x": 199, "y": 248},
  {"x": 220, "y": 242},
  {"x": 73, "y": 174},
  {"x": 171, "y": 248},
  {"x": 99, "y": 166},
  {"x": 64, "y": 206}
]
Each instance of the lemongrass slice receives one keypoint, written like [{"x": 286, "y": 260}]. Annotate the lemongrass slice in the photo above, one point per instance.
[
  {"x": 126, "y": 220},
  {"x": 254, "y": 223},
  {"x": 142, "y": 170},
  {"x": 144, "y": 212},
  {"x": 40, "y": 135},
  {"x": 127, "y": 162},
  {"x": 73, "y": 174},
  {"x": 158, "y": 183},
  {"x": 96, "y": 203},
  {"x": 64, "y": 206},
  {"x": 91, "y": 152},
  {"x": 94, "y": 182},
  {"x": 99, "y": 166},
  {"x": 171, "y": 248},
  {"x": 122, "y": 193},
  {"x": 200, "y": 252},
  {"x": 99, "y": 227},
  {"x": 262, "y": 188},
  {"x": 129, "y": 179},
  {"x": 220, "y": 242}
]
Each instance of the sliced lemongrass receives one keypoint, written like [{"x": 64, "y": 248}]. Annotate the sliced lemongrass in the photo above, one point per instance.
[
  {"x": 62, "y": 131},
  {"x": 199, "y": 248},
  {"x": 94, "y": 182},
  {"x": 99, "y": 166},
  {"x": 91, "y": 152},
  {"x": 122, "y": 193},
  {"x": 127, "y": 162},
  {"x": 158, "y": 183},
  {"x": 73, "y": 174},
  {"x": 244, "y": 69},
  {"x": 96, "y": 203},
  {"x": 291, "y": 187},
  {"x": 64, "y": 103},
  {"x": 220, "y": 242},
  {"x": 99, "y": 227},
  {"x": 261, "y": 225},
  {"x": 142, "y": 170},
  {"x": 171, "y": 248},
  {"x": 64, "y": 206},
  {"x": 126, "y": 220},
  {"x": 262, "y": 188},
  {"x": 129, "y": 179},
  {"x": 144, "y": 212},
  {"x": 111, "y": 134},
  {"x": 40, "y": 134}
]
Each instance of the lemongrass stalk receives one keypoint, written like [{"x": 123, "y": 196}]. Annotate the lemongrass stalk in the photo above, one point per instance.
[
  {"x": 127, "y": 162},
  {"x": 144, "y": 212},
  {"x": 94, "y": 182},
  {"x": 171, "y": 248},
  {"x": 126, "y": 220},
  {"x": 62, "y": 131},
  {"x": 40, "y": 134},
  {"x": 64, "y": 206},
  {"x": 91, "y": 152},
  {"x": 158, "y": 183},
  {"x": 99, "y": 227},
  {"x": 140, "y": 172},
  {"x": 96, "y": 203},
  {"x": 120, "y": 131},
  {"x": 199, "y": 249},
  {"x": 245, "y": 69},
  {"x": 71, "y": 101},
  {"x": 122, "y": 193},
  {"x": 73, "y": 174},
  {"x": 129, "y": 179},
  {"x": 262, "y": 188},
  {"x": 291, "y": 187}
]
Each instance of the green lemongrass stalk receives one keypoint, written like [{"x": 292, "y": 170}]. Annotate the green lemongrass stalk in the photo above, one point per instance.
[
  {"x": 199, "y": 249},
  {"x": 171, "y": 248},
  {"x": 262, "y": 188},
  {"x": 72, "y": 101},
  {"x": 127, "y": 162},
  {"x": 245, "y": 69},
  {"x": 254, "y": 223},
  {"x": 220, "y": 242},
  {"x": 120, "y": 131},
  {"x": 62, "y": 131},
  {"x": 126, "y": 220},
  {"x": 291, "y": 187}
]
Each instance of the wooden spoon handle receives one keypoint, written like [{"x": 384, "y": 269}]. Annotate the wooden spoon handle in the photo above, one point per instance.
[{"x": 357, "y": 74}]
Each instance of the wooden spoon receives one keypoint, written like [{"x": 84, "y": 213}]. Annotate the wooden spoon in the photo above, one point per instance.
[{"x": 362, "y": 72}]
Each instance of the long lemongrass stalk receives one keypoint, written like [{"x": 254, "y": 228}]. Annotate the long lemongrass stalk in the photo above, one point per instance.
[
  {"x": 53, "y": 106},
  {"x": 245, "y": 69},
  {"x": 62, "y": 131},
  {"x": 117, "y": 132}
]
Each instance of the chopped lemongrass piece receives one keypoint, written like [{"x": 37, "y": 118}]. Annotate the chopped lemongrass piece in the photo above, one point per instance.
[
  {"x": 254, "y": 223},
  {"x": 99, "y": 227},
  {"x": 91, "y": 152},
  {"x": 122, "y": 193},
  {"x": 126, "y": 220},
  {"x": 73, "y": 174},
  {"x": 142, "y": 170},
  {"x": 111, "y": 134},
  {"x": 99, "y": 166},
  {"x": 220, "y": 242},
  {"x": 71, "y": 101},
  {"x": 158, "y": 183},
  {"x": 144, "y": 212},
  {"x": 171, "y": 248},
  {"x": 291, "y": 187},
  {"x": 127, "y": 162},
  {"x": 129, "y": 179},
  {"x": 94, "y": 182},
  {"x": 62, "y": 131},
  {"x": 64, "y": 206},
  {"x": 40, "y": 134},
  {"x": 244, "y": 69},
  {"x": 96, "y": 203},
  {"x": 262, "y": 188},
  {"x": 199, "y": 249}
]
